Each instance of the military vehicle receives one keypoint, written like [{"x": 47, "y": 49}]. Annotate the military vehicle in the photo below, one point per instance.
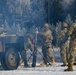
[{"x": 10, "y": 48}]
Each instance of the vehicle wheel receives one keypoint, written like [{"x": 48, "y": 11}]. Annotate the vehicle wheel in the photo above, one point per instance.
[{"x": 11, "y": 59}]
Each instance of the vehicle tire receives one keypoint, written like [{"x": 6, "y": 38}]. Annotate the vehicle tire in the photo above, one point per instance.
[{"x": 11, "y": 59}]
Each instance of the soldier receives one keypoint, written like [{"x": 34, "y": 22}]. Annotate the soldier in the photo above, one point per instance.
[
  {"x": 72, "y": 46},
  {"x": 28, "y": 44},
  {"x": 64, "y": 46},
  {"x": 47, "y": 45}
]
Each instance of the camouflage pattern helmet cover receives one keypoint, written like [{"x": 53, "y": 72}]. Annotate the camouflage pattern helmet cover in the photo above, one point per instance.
[
  {"x": 46, "y": 26},
  {"x": 65, "y": 24}
]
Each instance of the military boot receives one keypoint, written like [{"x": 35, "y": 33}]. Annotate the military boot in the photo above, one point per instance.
[
  {"x": 74, "y": 63},
  {"x": 64, "y": 64},
  {"x": 70, "y": 68},
  {"x": 26, "y": 65}
]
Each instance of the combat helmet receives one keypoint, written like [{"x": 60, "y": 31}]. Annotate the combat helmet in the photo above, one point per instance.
[
  {"x": 65, "y": 24},
  {"x": 46, "y": 26}
]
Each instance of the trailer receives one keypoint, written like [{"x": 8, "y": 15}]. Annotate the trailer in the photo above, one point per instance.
[{"x": 10, "y": 48}]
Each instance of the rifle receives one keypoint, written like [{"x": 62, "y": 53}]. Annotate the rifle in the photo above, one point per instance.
[{"x": 64, "y": 40}]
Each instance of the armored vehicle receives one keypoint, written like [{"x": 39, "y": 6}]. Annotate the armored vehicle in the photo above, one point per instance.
[{"x": 10, "y": 48}]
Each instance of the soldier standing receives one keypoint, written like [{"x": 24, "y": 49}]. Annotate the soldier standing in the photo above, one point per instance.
[
  {"x": 47, "y": 45},
  {"x": 72, "y": 46},
  {"x": 64, "y": 46},
  {"x": 28, "y": 44}
]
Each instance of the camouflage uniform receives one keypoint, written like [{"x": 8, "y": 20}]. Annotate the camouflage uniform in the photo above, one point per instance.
[
  {"x": 64, "y": 46},
  {"x": 47, "y": 44},
  {"x": 28, "y": 44},
  {"x": 72, "y": 47}
]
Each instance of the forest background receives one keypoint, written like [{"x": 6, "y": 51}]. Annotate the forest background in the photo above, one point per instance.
[{"x": 30, "y": 13}]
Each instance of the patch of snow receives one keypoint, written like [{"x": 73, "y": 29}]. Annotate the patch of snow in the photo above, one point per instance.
[{"x": 50, "y": 70}]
